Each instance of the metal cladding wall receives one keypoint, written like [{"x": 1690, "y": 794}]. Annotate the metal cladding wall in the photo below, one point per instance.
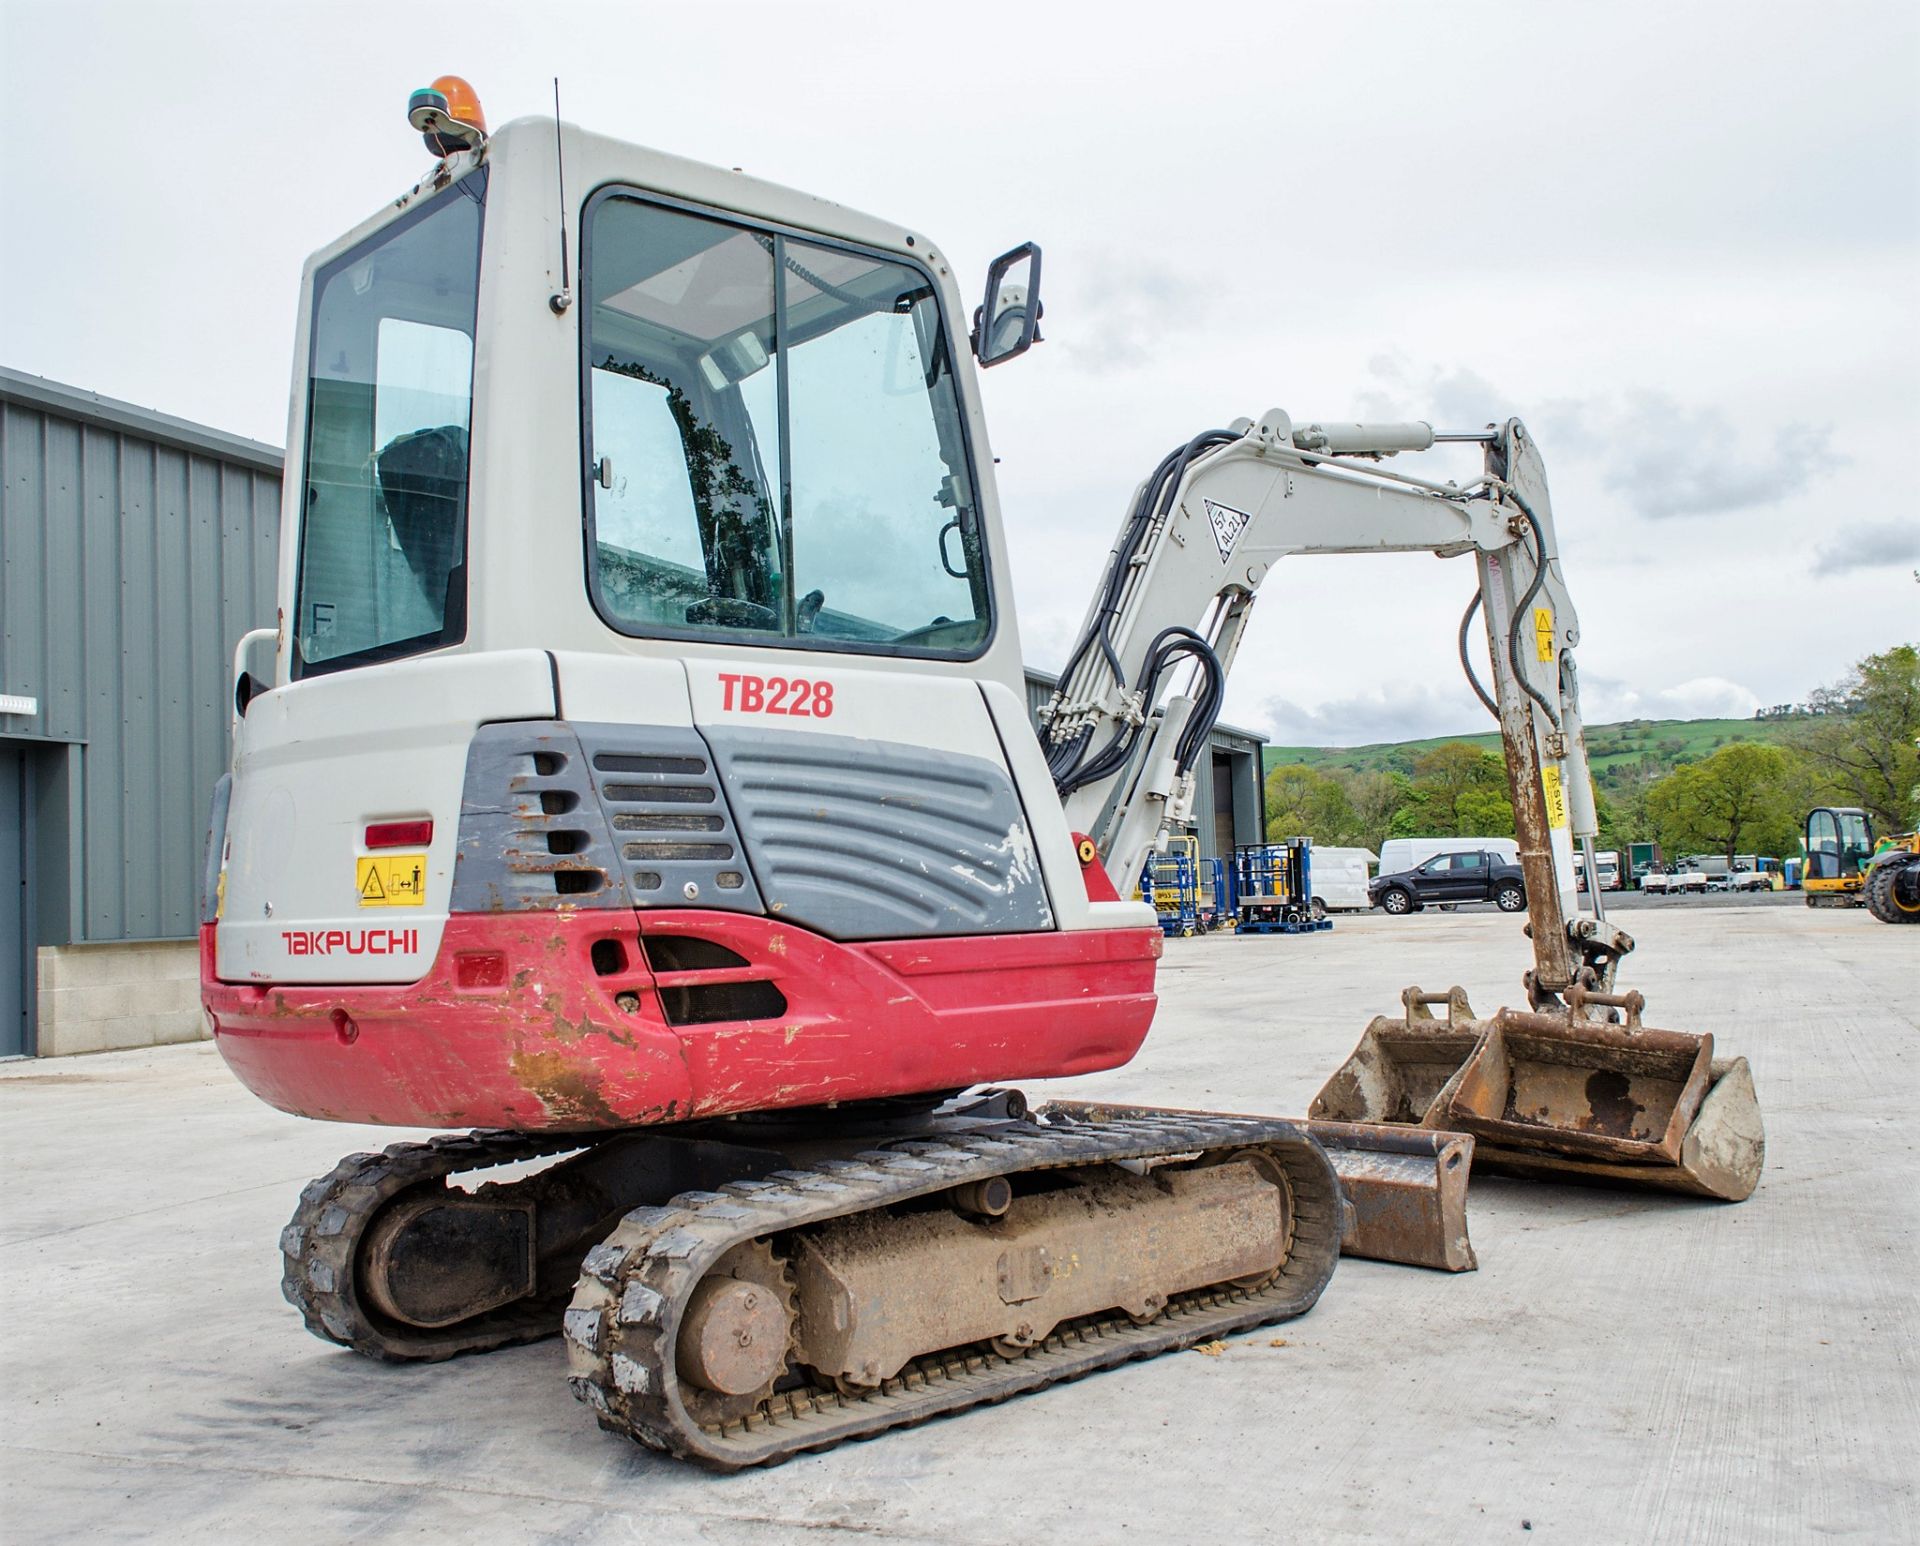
[
  {"x": 135, "y": 549},
  {"x": 1233, "y": 753}
]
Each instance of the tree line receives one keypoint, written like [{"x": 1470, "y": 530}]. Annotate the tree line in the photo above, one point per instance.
[{"x": 1855, "y": 746}]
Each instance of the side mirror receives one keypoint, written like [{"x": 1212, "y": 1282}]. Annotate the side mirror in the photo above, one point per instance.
[{"x": 1008, "y": 321}]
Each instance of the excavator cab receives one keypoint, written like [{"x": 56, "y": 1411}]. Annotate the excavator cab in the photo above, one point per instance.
[{"x": 1839, "y": 844}]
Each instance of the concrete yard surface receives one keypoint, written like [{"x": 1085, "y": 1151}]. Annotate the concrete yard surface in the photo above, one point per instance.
[{"x": 1622, "y": 1368}]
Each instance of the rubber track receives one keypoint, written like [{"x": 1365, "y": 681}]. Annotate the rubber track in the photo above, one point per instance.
[
  {"x": 627, "y": 1306},
  {"x": 319, "y": 1244}
]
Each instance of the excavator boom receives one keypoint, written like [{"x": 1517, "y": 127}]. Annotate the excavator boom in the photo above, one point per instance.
[{"x": 1572, "y": 1085}]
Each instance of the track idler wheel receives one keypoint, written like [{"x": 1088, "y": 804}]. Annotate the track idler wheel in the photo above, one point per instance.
[{"x": 736, "y": 1334}]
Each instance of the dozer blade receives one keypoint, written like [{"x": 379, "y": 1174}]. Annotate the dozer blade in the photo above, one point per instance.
[
  {"x": 1405, "y": 1187},
  {"x": 1560, "y": 1095},
  {"x": 1407, "y": 1192}
]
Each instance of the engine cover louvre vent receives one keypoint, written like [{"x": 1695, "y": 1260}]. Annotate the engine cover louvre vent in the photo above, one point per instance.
[
  {"x": 555, "y": 814},
  {"x": 531, "y": 833},
  {"x": 861, "y": 839},
  {"x": 672, "y": 831}
]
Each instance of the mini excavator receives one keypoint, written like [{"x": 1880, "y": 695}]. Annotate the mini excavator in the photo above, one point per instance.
[{"x": 642, "y": 789}]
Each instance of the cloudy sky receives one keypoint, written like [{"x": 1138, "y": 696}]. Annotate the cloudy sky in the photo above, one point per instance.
[{"x": 1681, "y": 241}]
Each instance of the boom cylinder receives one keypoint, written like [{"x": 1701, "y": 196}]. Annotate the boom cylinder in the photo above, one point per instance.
[{"x": 1364, "y": 439}]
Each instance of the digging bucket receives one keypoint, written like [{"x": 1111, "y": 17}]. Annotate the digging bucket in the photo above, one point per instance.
[
  {"x": 1403, "y": 1063},
  {"x": 1558, "y": 1095}
]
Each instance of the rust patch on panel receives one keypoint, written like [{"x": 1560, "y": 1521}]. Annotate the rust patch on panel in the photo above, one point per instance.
[{"x": 569, "y": 1091}]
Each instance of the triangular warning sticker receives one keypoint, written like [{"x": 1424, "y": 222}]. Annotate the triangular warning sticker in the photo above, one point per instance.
[
  {"x": 370, "y": 889},
  {"x": 1227, "y": 524}
]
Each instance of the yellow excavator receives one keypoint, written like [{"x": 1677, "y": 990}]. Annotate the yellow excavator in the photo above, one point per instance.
[
  {"x": 1846, "y": 867},
  {"x": 1839, "y": 842}
]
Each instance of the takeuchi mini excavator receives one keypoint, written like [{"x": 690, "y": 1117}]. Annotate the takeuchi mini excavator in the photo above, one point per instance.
[{"x": 642, "y": 786}]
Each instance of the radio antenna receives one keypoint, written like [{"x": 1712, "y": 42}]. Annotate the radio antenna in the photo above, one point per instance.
[{"x": 562, "y": 298}]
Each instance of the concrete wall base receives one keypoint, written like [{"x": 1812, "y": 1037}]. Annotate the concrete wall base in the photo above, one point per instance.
[{"x": 101, "y": 998}]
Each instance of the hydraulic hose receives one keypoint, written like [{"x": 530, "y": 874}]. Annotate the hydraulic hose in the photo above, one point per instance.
[
  {"x": 1539, "y": 556},
  {"x": 1466, "y": 663}
]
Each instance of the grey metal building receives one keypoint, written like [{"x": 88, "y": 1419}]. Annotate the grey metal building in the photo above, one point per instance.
[
  {"x": 1229, "y": 806},
  {"x": 134, "y": 549}
]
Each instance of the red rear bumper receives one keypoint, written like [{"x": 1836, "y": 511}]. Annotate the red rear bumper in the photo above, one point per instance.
[{"x": 556, "y": 1035}]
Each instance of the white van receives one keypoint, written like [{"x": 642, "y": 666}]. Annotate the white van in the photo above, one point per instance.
[
  {"x": 1339, "y": 877},
  {"x": 1399, "y": 854}
]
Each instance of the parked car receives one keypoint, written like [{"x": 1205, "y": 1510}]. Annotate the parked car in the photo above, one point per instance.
[
  {"x": 1476, "y": 876},
  {"x": 1398, "y": 854},
  {"x": 1752, "y": 880}
]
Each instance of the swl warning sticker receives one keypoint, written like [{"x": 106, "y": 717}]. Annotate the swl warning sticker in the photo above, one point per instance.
[
  {"x": 1543, "y": 632},
  {"x": 391, "y": 880},
  {"x": 1227, "y": 524},
  {"x": 1556, "y": 796}
]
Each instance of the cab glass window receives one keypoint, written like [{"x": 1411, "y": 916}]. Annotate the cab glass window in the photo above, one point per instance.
[
  {"x": 774, "y": 441},
  {"x": 383, "y": 537}
]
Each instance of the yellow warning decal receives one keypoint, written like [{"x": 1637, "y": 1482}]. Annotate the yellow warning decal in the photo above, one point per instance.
[
  {"x": 1556, "y": 796},
  {"x": 391, "y": 880},
  {"x": 1543, "y": 632}
]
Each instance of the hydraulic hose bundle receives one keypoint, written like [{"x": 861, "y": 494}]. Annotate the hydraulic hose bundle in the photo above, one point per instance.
[{"x": 1072, "y": 762}]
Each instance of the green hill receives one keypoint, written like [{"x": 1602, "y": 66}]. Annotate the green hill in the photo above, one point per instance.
[{"x": 1610, "y": 748}]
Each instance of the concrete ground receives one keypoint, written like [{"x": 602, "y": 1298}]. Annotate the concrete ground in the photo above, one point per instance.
[{"x": 1621, "y": 1369}]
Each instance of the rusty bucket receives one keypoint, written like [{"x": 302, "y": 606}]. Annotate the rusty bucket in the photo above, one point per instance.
[
  {"x": 1402, "y": 1063},
  {"x": 1560, "y": 1095}
]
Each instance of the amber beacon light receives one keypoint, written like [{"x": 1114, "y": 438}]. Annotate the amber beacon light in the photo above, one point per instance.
[{"x": 448, "y": 116}]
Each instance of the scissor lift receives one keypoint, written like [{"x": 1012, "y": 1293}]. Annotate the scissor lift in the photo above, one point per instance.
[{"x": 1273, "y": 891}]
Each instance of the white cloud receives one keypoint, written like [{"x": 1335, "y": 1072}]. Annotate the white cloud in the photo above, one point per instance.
[
  {"x": 1451, "y": 398},
  {"x": 1872, "y": 545},
  {"x": 1661, "y": 456},
  {"x": 1397, "y": 711},
  {"x": 1702, "y": 697},
  {"x": 1667, "y": 459}
]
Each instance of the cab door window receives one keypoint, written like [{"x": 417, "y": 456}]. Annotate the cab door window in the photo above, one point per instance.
[
  {"x": 816, "y": 490},
  {"x": 383, "y": 528}
]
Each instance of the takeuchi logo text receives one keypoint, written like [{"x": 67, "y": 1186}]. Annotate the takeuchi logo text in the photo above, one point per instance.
[{"x": 353, "y": 942}]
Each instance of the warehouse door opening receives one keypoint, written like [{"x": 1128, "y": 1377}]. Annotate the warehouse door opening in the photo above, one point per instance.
[
  {"x": 16, "y": 944},
  {"x": 1224, "y": 837}
]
